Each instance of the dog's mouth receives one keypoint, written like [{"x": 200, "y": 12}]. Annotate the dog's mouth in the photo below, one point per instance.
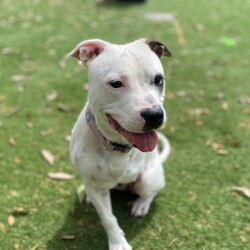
[{"x": 145, "y": 142}]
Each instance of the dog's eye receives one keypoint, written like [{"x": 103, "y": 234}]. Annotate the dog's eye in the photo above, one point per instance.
[
  {"x": 158, "y": 81},
  {"x": 116, "y": 84}
]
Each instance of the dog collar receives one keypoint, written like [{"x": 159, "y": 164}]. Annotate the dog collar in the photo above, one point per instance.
[{"x": 108, "y": 145}]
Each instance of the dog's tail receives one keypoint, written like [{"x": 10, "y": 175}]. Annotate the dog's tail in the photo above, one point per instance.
[{"x": 165, "y": 147}]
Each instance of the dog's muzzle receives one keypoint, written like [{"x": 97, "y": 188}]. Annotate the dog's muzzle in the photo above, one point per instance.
[{"x": 154, "y": 118}]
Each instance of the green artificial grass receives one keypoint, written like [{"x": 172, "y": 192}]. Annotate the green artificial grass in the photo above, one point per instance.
[{"x": 208, "y": 125}]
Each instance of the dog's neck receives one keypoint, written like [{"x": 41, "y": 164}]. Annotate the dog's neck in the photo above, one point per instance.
[{"x": 108, "y": 145}]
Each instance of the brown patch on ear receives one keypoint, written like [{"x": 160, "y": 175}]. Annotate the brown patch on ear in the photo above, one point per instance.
[{"x": 159, "y": 48}]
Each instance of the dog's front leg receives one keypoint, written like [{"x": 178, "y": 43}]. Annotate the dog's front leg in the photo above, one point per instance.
[{"x": 101, "y": 201}]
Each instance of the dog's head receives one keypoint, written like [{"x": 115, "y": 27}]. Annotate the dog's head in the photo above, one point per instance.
[{"x": 126, "y": 88}]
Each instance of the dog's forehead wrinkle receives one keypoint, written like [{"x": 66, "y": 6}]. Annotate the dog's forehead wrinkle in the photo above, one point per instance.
[
  {"x": 119, "y": 74},
  {"x": 111, "y": 69}
]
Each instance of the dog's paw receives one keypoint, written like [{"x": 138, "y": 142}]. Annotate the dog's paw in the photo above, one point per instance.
[
  {"x": 141, "y": 207},
  {"x": 121, "y": 246}
]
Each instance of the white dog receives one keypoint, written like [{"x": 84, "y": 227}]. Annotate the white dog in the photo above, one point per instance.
[{"x": 114, "y": 140}]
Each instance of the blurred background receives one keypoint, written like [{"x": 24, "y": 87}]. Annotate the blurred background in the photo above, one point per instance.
[{"x": 208, "y": 105}]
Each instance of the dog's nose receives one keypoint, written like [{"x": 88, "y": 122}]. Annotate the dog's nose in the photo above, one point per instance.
[{"x": 153, "y": 117}]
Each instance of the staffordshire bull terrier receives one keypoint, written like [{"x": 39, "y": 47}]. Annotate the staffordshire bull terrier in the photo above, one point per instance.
[{"x": 114, "y": 142}]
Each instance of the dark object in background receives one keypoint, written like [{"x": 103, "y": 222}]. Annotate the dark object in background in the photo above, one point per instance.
[{"x": 131, "y": 1}]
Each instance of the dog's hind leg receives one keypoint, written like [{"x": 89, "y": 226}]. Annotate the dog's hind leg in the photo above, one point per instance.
[
  {"x": 148, "y": 184},
  {"x": 101, "y": 201}
]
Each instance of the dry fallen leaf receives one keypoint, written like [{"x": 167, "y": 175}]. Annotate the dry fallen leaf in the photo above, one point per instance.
[
  {"x": 17, "y": 160},
  {"x": 244, "y": 100},
  {"x": 219, "y": 96},
  {"x": 34, "y": 247},
  {"x": 22, "y": 211},
  {"x": 62, "y": 107},
  {"x": 48, "y": 156},
  {"x": 48, "y": 109},
  {"x": 2, "y": 227},
  {"x": 13, "y": 111},
  {"x": 173, "y": 241},
  {"x": 18, "y": 78},
  {"x": 218, "y": 148},
  {"x": 244, "y": 238},
  {"x": 30, "y": 125},
  {"x": 11, "y": 220},
  {"x": 46, "y": 132},
  {"x": 215, "y": 145},
  {"x": 68, "y": 237},
  {"x": 244, "y": 124},
  {"x": 16, "y": 246},
  {"x": 222, "y": 152},
  {"x": 13, "y": 193},
  {"x": 29, "y": 67},
  {"x": 51, "y": 96},
  {"x": 62, "y": 64},
  {"x": 199, "y": 111},
  {"x": 60, "y": 176},
  {"x": 181, "y": 93},
  {"x": 6, "y": 51},
  {"x": 234, "y": 143},
  {"x": 224, "y": 105},
  {"x": 244, "y": 190},
  {"x": 12, "y": 142},
  {"x": 198, "y": 122}
]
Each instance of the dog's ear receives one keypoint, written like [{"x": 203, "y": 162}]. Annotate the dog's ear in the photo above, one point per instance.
[
  {"x": 88, "y": 50},
  {"x": 159, "y": 48}
]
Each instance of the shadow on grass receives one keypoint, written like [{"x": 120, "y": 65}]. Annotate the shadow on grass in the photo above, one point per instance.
[{"x": 83, "y": 224}]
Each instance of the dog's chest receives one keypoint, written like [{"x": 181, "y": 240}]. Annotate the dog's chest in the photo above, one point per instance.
[{"x": 112, "y": 168}]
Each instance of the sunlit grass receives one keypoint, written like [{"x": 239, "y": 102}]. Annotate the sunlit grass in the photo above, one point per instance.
[{"x": 208, "y": 125}]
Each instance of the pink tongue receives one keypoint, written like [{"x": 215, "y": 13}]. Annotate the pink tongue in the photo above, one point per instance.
[{"x": 145, "y": 142}]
